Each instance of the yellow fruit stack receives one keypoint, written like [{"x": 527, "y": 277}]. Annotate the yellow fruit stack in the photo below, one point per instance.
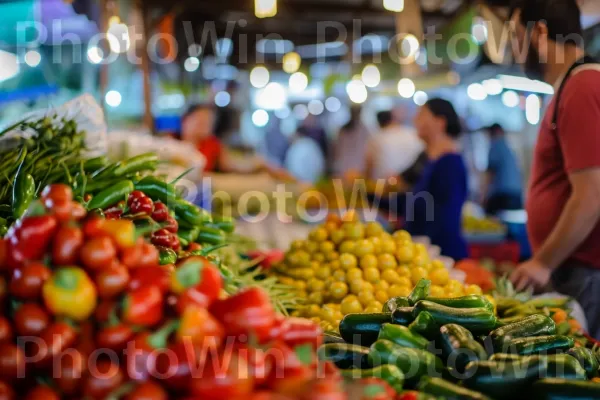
[{"x": 347, "y": 267}]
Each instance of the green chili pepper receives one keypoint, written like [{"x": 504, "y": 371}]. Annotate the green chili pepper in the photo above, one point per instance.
[
  {"x": 142, "y": 162},
  {"x": 188, "y": 235},
  {"x": 210, "y": 236},
  {"x": 157, "y": 189},
  {"x": 190, "y": 213},
  {"x": 167, "y": 256},
  {"x": 111, "y": 195},
  {"x": 100, "y": 184},
  {"x": 225, "y": 224},
  {"x": 23, "y": 189}
]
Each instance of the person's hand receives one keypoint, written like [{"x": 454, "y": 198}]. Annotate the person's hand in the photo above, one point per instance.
[{"x": 531, "y": 273}]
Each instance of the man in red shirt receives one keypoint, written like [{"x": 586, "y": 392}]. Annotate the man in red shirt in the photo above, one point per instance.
[{"x": 564, "y": 196}]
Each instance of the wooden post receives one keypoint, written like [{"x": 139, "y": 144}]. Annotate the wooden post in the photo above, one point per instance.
[
  {"x": 146, "y": 69},
  {"x": 410, "y": 21}
]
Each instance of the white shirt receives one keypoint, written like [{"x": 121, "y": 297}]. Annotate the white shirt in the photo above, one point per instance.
[
  {"x": 305, "y": 160},
  {"x": 393, "y": 150}
]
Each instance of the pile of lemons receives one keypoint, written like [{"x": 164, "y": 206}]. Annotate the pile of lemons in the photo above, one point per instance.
[{"x": 346, "y": 266}]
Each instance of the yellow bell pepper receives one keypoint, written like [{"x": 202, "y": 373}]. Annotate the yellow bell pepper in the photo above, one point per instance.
[
  {"x": 121, "y": 231},
  {"x": 70, "y": 293}
]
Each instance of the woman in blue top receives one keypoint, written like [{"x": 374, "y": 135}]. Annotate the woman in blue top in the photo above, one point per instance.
[{"x": 435, "y": 207}]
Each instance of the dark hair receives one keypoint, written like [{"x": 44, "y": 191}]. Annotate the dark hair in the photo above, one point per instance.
[
  {"x": 195, "y": 107},
  {"x": 562, "y": 17},
  {"x": 384, "y": 118},
  {"x": 444, "y": 109}
]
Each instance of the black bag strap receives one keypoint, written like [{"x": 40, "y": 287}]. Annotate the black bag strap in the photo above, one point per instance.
[{"x": 583, "y": 61}]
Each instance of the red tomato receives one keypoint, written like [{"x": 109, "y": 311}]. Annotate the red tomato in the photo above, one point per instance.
[
  {"x": 130, "y": 256},
  {"x": 114, "y": 337},
  {"x": 249, "y": 312},
  {"x": 135, "y": 196},
  {"x": 159, "y": 276},
  {"x": 66, "y": 245},
  {"x": 199, "y": 326},
  {"x": 3, "y": 253},
  {"x": 53, "y": 341},
  {"x": 30, "y": 319},
  {"x": 265, "y": 395},
  {"x": 71, "y": 368},
  {"x": 299, "y": 331},
  {"x": 42, "y": 393},
  {"x": 6, "y": 330},
  {"x": 410, "y": 395},
  {"x": 149, "y": 255},
  {"x": 78, "y": 212},
  {"x": 57, "y": 192},
  {"x": 376, "y": 389},
  {"x": 147, "y": 391},
  {"x": 163, "y": 238},
  {"x": 104, "y": 310},
  {"x": 61, "y": 209},
  {"x": 227, "y": 377},
  {"x": 102, "y": 379},
  {"x": 161, "y": 212},
  {"x": 29, "y": 239},
  {"x": 12, "y": 362},
  {"x": 143, "y": 205},
  {"x": 178, "y": 368},
  {"x": 6, "y": 391},
  {"x": 327, "y": 389},
  {"x": 143, "y": 306},
  {"x": 112, "y": 281},
  {"x": 98, "y": 253},
  {"x": 171, "y": 224},
  {"x": 27, "y": 282},
  {"x": 140, "y": 359},
  {"x": 292, "y": 382},
  {"x": 259, "y": 364}
]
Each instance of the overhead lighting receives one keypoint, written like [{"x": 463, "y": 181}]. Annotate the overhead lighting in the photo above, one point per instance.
[
  {"x": 33, "y": 58},
  {"x": 259, "y": 77},
  {"x": 298, "y": 82},
  {"x": 222, "y": 99},
  {"x": 118, "y": 38},
  {"x": 282, "y": 113},
  {"x": 191, "y": 64},
  {"x": 300, "y": 111},
  {"x": 291, "y": 62},
  {"x": 493, "y": 87},
  {"x": 265, "y": 8},
  {"x": 357, "y": 91},
  {"x": 525, "y": 84},
  {"x": 272, "y": 97},
  {"x": 371, "y": 76},
  {"x": 316, "y": 107},
  {"x": 479, "y": 30},
  {"x": 533, "y": 107},
  {"x": 410, "y": 46},
  {"x": 113, "y": 98},
  {"x": 333, "y": 104},
  {"x": 406, "y": 88},
  {"x": 394, "y": 5},
  {"x": 10, "y": 65},
  {"x": 420, "y": 98},
  {"x": 510, "y": 99},
  {"x": 260, "y": 118},
  {"x": 114, "y": 20},
  {"x": 95, "y": 55},
  {"x": 476, "y": 92}
]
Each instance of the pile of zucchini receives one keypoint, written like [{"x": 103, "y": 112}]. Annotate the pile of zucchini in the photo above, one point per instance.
[{"x": 458, "y": 349}]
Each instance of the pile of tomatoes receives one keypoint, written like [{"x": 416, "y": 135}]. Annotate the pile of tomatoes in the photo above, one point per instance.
[{"x": 88, "y": 312}]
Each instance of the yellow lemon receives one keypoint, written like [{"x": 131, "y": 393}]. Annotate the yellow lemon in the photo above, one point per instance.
[
  {"x": 323, "y": 273},
  {"x": 354, "y": 274},
  {"x": 318, "y": 257},
  {"x": 381, "y": 285},
  {"x": 356, "y": 286},
  {"x": 405, "y": 254},
  {"x": 473, "y": 289},
  {"x": 377, "y": 304},
  {"x": 339, "y": 276},
  {"x": 300, "y": 285},
  {"x": 420, "y": 248},
  {"x": 338, "y": 290},
  {"x": 403, "y": 270},
  {"x": 370, "y": 309},
  {"x": 347, "y": 246},
  {"x": 404, "y": 281},
  {"x": 330, "y": 226},
  {"x": 417, "y": 274},
  {"x": 398, "y": 291},
  {"x": 376, "y": 244},
  {"x": 312, "y": 246},
  {"x": 368, "y": 261},
  {"x": 351, "y": 307},
  {"x": 337, "y": 236},
  {"x": 403, "y": 236},
  {"x": 437, "y": 264},
  {"x": 315, "y": 298},
  {"x": 332, "y": 256},
  {"x": 366, "y": 298},
  {"x": 334, "y": 264},
  {"x": 353, "y": 230},
  {"x": 381, "y": 296},
  {"x": 348, "y": 261},
  {"x": 373, "y": 229},
  {"x": 390, "y": 276},
  {"x": 315, "y": 285},
  {"x": 371, "y": 274},
  {"x": 439, "y": 277},
  {"x": 388, "y": 246},
  {"x": 368, "y": 287},
  {"x": 319, "y": 235},
  {"x": 297, "y": 244},
  {"x": 327, "y": 247},
  {"x": 420, "y": 260},
  {"x": 386, "y": 261},
  {"x": 436, "y": 291},
  {"x": 363, "y": 247},
  {"x": 312, "y": 310}
]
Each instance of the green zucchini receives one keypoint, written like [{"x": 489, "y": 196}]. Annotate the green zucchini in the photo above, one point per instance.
[
  {"x": 504, "y": 357},
  {"x": 471, "y": 301},
  {"x": 425, "y": 325},
  {"x": 563, "y": 389},
  {"x": 504, "y": 380},
  {"x": 477, "y": 320},
  {"x": 363, "y": 329},
  {"x": 564, "y": 366},
  {"x": 586, "y": 359},
  {"x": 395, "y": 302},
  {"x": 459, "y": 347},
  {"x": 419, "y": 292},
  {"x": 403, "y": 316},
  {"x": 389, "y": 373},
  {"x": 534, "y": 325},
  {"x": 345, "y": 356},
  {"x": 414, "y": 363},
  {"x": 536, "y": 344},
  {"x": 402, "y": 336},
  {"x": 448, "y": 390}
]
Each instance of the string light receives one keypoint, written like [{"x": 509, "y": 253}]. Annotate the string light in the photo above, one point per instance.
[
  {"x": 265, "y": 8},
  {"x": 291, "y": 62},
  {"x": 394, "y": 5}
]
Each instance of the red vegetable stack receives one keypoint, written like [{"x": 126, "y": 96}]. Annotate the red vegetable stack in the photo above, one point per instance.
[{"x": 88, "y": 312}]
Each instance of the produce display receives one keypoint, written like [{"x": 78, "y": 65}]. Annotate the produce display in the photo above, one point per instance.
[
  {"x": 474, "y": 225},
  {"x": 466, "y": 348},
  {"x": 346, "y": 266}
]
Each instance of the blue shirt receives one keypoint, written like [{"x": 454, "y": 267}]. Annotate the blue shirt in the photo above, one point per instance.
[
  {"x": 503, "y": 165},
  {"x": 436, "y": 204}
]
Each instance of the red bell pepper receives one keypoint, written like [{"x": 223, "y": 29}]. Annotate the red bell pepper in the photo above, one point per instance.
[
  {"x": 140, "y": 358},
  {"x": 198, "y": 282},
  {"x": 177, "y": 365},
  {"x": 249, "y": 312},
  {"x": 159, "y": 276},
  {"x": 29, "y": 239},
  {"x": 298, "y": 331},
  {"x": 259, "y": 364},
  {"x": 143, "y": 306},
  {"x": 224, "y": 377},
  {"x": 200, "y": 327}
]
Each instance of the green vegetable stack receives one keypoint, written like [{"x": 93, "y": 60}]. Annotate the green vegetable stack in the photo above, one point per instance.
[{"x": 455, "y": 348}]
